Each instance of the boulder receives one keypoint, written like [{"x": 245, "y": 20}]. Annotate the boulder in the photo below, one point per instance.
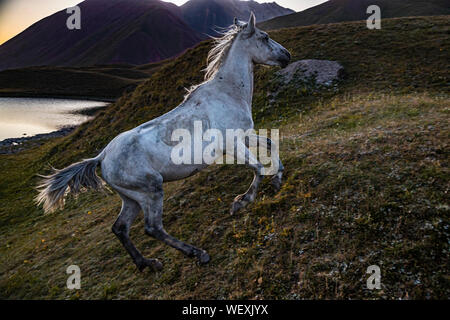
[{"x": 322, "y": 72}]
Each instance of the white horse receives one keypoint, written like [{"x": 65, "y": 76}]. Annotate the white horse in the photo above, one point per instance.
[{"x": 137, "y": 162}]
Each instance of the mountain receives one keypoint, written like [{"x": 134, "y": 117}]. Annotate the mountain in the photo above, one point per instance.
[
  {"x": 205, "y": 16},
  {"x": 126, "y": 31},
  {"x": 112, "y": 31},
  {"x": 353, "y": 10}
]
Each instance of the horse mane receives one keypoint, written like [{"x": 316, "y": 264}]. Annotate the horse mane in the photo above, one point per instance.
[{"x": 217, "y": 54}]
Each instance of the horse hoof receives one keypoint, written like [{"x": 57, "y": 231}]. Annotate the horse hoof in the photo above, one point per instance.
[
  {"x": 238, "y": 203},
  {"x": 155, "y": 264},
  {"x": 235, "y": 207},
  {"x": 276, "y": 183},
  {"x": 204, "y": 258}
]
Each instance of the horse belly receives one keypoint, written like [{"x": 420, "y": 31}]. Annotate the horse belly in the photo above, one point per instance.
[{"x": 179, "y": 172}]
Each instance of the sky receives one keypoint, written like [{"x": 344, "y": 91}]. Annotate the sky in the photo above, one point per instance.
[{"x": 17, "y": 15}]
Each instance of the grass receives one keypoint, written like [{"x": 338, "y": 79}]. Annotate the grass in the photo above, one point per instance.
[{"x": 366, "y": 183}]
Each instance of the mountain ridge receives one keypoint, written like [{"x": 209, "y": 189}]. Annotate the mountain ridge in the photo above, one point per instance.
[
  {"x": 205, "y": 16},
  {"x": 49, "y": 42},
  {"x": 120, "y": 31},
  {"x": 335, "y": 11}
]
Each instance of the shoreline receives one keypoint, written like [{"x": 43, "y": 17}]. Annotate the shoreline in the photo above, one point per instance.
[
  {"x": 54, "y": 96},
  {"x": 14, "y": 145}
]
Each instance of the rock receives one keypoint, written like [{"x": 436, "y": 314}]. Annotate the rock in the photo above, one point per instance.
[{"x": 323, "y": 72}]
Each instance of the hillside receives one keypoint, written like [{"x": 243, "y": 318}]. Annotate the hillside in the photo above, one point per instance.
[
  {"x": 334, "y": 11},
  {"x": 107, "y": 82},
  {"x": 208, "y": 16},
  {"x": 366, "y": 183},
  {"x": 112, "y": 32}
]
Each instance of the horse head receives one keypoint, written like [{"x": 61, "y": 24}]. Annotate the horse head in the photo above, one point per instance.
[{"x": 262, "y": 49}]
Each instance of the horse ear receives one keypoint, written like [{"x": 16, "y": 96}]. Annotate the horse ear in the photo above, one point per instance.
[{"x": 251, "y": 26}]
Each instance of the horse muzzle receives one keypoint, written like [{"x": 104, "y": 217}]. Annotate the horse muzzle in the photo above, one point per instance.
[{"x": 284, "y": 59}]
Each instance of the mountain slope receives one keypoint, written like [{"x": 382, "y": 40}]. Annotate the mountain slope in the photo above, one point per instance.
[
  {"x": 205, "y": 16},
  {"x": 353, "y": 10},
  {"x": 120, "y": 31},
  {"x": 366, "y": 183},
  {"x": 101, "y": 82}
]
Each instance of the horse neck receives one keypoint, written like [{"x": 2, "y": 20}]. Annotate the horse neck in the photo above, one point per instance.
[{"x": 236, "y": 75}]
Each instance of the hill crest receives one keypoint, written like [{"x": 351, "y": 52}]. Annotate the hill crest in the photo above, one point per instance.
[{"x": 335, "y": 11}]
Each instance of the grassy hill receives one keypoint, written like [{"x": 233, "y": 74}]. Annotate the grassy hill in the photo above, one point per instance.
[
  {"x": 106, "y": 82},
  {"x": 334, "y": 11},
  {"x": 366, "y": 183}
]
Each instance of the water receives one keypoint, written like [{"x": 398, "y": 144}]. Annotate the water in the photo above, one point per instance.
[{"x": 24, "y": 117}]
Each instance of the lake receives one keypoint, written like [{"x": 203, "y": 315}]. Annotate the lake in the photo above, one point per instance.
[{"x": 25, "y": 117}]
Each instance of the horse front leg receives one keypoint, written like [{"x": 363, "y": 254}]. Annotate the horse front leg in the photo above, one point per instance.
[
  {"x": 271, "y": 147},
  {"x": 243, "y": 155}
]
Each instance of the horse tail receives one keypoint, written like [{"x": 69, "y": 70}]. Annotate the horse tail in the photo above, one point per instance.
[{"x": 52, "y": 189}]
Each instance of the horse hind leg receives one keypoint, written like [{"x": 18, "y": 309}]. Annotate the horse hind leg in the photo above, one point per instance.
[
  {"x": 153, "y": 210},
  {"x": 121, "y": 228}
]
